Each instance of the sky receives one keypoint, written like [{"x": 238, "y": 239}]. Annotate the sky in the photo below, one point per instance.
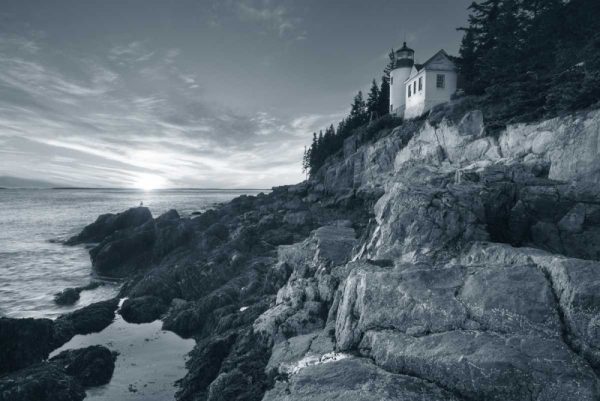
[{"x": 192, "y": 93}]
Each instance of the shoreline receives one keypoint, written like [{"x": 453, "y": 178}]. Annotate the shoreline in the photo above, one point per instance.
[{"x": 409, "y": 265}]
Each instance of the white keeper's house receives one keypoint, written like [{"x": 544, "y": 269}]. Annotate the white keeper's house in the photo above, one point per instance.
[{"x": 416, "y": 88}]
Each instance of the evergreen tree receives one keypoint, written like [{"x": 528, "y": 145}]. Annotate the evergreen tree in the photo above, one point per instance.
[
  {"x": 383, "y": 106},
  {"x": 481, "y": 31},
  {"x": 532, "y": 58},
  {"x": 313, "y": 154},
  {"x": 467, "y": 61},
  {"x": 390, "y": 66},
  {"x": 358, "y": 111},
  {"x": 373, "y": 100}
]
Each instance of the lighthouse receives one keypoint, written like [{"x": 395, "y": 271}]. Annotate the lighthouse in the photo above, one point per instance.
[{"x": 404, "y": 59}]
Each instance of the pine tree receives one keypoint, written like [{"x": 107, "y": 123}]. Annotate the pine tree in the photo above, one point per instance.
[
  {"x": 373, "y": 100},
  {"x": 306, "y": 161},
  {"x": 313, "y": 155},
  {"x": 467, "y": 61},
  {"x": 390, "y": 66},
  {"x": 358, "y": 111},
  {"x": 383, "y": 106},
  {"x": 481, "y": 30}
]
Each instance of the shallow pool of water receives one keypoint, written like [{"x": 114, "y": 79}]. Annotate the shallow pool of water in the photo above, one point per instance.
[{"x": 149, "y": 363}]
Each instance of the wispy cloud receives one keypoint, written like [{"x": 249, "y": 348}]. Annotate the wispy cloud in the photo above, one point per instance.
[
  {"x": 99, "y": 126},
  {"x": 270, "y": 16}
]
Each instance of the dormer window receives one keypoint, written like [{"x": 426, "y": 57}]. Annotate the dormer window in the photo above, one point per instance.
[{"x": 440, "y": 81}]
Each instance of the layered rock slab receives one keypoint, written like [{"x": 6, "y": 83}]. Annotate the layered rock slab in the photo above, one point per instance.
[
  {"x": 485, "y": 365},
  {"x": 354, "y": 379}
]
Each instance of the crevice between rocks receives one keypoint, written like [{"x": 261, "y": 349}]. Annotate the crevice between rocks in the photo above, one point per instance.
[
  {"x": 457, "y": 394},
  {"x": 566, "y": 334}
]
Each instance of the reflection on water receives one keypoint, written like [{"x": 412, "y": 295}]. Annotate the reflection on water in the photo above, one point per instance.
[{"x": 150, "y": 361}]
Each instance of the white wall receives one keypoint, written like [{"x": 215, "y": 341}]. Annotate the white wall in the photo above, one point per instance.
[
  {"x": 431, "y": 94},
  {"x": 415, "y": 104},
  {"x": 397, "y": 97}
]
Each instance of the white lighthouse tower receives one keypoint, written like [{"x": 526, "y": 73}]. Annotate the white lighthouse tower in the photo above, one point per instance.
[{"x": 404, "y": 59}]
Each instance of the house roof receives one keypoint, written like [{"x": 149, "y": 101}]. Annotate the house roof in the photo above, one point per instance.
[
  {"x": 430, "y": 60},
  {"x": 417, "y": 68}
]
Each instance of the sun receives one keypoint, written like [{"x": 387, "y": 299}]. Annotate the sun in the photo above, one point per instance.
[{"x": 148, "y": 182}]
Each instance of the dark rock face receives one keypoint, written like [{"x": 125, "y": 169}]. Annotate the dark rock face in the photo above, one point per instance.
[
  {"x": 107, "y": 224},
  {"x": 42, "y": 382},
  {"x": 91, "y": 366},
  {"x": 90, "y": 319},
  {"x": 144, "y": 309},
  {"x": 24, "y": 342},
  {"x": 69, "y": 296},
  {"x": 124, "y": 252},
  {"x": 62, "y": 378},
  {"x": 134, "y": 248}
]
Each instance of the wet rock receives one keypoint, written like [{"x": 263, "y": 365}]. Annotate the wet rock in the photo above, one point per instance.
[
  {"x": 144, "y": 309},
  {"x": 107, "y": 224},
  {"x": 24, "y": 342},
  {"x": 123, "y": 253},
  {"x": 128, "y": 251},
  {"x": 184, "y": 318},
  {"x": 67, "y": 296},
  {"x": 89, "y": 319},
  {"x": 42, "y": 382},
  {"x": 91, "y": 366},
  {"x": 27, "y": 341},
  {"x": 62, "y": 378}
]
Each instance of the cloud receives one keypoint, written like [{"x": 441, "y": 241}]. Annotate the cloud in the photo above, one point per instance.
[
  {"x": 97, "y": 122},
  {"x": 271, "y": 16},
  {"x": 133, "y": 52}
]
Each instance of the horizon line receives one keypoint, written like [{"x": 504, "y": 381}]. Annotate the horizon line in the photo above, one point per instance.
[{"x": 145, "y": 190}]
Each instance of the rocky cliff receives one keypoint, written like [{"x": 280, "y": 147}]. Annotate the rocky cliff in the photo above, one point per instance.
[
  {"x": 431, "y": 262},
  {"x": 477, "y": 277}
]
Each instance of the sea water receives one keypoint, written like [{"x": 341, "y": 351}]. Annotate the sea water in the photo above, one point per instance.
[{"x": 34, "y": 265}]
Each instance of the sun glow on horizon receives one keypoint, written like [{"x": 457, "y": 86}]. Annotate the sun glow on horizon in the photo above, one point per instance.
[{"x": 148, "y": 182}]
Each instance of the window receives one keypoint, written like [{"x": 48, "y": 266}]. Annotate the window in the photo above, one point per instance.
[
  {"x": 391, "y": 108},
  {"x": 391, "y": 80},
  {"x": 420, "y": 84},
  {"x": 415, "y": 87},
  {"x": 440, "y": 81},
  {"x": 409, "y": 86}
]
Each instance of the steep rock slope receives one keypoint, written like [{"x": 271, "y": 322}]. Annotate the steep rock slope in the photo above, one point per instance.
[
  {"x": 477, "y": 277},
  {"x": 433, "y": 262}
]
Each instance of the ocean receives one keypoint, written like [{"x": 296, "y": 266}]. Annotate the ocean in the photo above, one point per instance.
[{"x": 34, "y": 265}]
